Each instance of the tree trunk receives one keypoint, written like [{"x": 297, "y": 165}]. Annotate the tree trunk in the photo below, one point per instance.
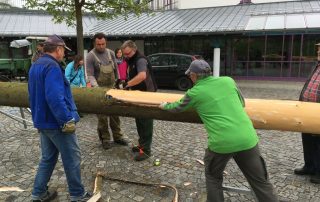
[
  {"x": 265, "y": 114},
  {"x": 80, "y": 47}
]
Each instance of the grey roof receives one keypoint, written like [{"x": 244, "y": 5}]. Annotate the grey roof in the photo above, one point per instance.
[
  {"x": 226, "y": 19},
  {"x": 35, "y": 23},
  {"x": 204, "y": 20}
]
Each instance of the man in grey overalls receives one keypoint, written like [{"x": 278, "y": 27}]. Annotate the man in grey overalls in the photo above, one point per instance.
[{"x": 102, "y": 70}]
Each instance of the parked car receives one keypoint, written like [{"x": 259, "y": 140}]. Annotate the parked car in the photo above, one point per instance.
[{"x": 169, "y": 69}]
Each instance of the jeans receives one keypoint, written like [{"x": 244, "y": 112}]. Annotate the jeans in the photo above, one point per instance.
[{"x": 52, "y": 143}]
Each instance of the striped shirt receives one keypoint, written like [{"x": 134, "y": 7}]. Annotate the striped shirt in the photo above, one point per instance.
[{"x": 311, "y": 92}]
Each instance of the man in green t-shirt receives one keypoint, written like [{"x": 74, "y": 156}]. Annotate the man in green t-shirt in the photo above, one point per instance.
[{"x": 220, "y": 106}]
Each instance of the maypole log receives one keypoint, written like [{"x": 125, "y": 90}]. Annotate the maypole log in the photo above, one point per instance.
[
  {"x": 93, "y": 100},
  {"x": 265, "y": 114}
]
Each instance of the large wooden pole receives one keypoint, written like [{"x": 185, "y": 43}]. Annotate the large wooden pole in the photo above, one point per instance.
[
  {"x": 265, "y": 114},
  {"x": 93, "y": 100}
]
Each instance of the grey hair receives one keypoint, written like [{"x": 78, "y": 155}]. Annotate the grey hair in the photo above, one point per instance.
[{"x": 130, "y": 44}]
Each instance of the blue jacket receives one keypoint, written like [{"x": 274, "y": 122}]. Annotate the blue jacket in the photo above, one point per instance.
[
  {"x": 77, "y": 75},
  {"x": 50, "y": 95}
]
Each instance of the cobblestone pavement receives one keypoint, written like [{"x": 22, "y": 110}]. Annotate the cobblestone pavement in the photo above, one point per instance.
[{"x": 178, "y": 145}]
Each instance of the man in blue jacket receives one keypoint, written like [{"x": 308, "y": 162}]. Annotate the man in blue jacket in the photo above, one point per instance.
[{"x": 54, "y": 114}]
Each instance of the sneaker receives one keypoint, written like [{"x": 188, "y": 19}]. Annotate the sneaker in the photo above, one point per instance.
[
  {"x": 48, "y": 196},
  {"x": 86, "y": 196},
  {"x": 106, "y": 145},
  {"x": 121, "y": 142},
  {"x": 140, "y": 156},
  {"x": 136, "y": 148},
  {"x": 315, "y": 179}
]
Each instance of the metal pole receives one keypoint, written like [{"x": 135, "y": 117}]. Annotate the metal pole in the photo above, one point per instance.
[
  {"x": 23, "y": 118},
  {"x": 15, "y": 117},
  {"x": 216, "y": 62}
]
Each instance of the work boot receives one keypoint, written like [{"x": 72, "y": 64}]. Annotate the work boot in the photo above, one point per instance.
[
  {"x": 315, "y": 179},
  {"x": 142, "y": 155},
  {"x": 86, "y": 196},
  {"x": 121, "y": 141},
  {"x": 106, "y": 145},
  {"x": 48, "y": 196},
  {"x": 303, "y": 171},
  {"x": 136, "y": 148}
]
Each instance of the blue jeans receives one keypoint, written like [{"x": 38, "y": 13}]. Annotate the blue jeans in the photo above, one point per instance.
[{"x": 52, "y": 143}]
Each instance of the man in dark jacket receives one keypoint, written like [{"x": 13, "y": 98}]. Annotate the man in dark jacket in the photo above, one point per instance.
[
  {"x": 54, "y": 114},
  {"x": 140, "y": 77},
  {"x": 311, "y": 142}
]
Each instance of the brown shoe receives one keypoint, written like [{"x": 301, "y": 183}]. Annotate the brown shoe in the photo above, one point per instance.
[{"x": 106, "y": 145}]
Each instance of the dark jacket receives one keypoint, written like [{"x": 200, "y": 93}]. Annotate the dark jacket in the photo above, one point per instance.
[
  {"x": 133, "y": 71},
  {"x": 50, "y": 95}
]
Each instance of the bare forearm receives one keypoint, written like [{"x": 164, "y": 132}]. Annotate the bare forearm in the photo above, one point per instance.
[{"x": 141, "y": 76}]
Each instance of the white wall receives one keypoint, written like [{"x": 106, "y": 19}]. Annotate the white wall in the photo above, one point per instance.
[{"x": 184, "y": 4}]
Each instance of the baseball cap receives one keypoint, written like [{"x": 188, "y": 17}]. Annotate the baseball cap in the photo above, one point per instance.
[
  {"x": 318, "y": 44},
  {"x": 199, "y": 67},
  {"x": 56, "y": 40}
]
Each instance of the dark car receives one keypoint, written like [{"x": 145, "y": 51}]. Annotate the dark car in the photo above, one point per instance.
[{"x": 169, "y": 69}]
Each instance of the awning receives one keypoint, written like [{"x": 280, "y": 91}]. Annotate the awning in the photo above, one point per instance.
[{"x": 19, "y": 43}]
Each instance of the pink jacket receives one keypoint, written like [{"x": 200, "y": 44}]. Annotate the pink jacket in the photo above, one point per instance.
[{"x": 122, "y": 67}]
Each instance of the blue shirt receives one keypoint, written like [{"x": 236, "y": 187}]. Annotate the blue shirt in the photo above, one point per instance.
[{"x": 78, "y": 75}]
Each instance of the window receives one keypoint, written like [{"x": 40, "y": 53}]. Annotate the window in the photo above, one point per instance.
[
  {"x": 163, "y": 4},
  {"x": 183, "y": 60},
  {"x": 160, "y": 60}
]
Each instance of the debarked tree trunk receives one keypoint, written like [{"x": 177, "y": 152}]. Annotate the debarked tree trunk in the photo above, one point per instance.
[{"x": 265, "y": 114}]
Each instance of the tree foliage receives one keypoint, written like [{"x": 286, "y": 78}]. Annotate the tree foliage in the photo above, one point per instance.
[{"x": 71, "y": 11}]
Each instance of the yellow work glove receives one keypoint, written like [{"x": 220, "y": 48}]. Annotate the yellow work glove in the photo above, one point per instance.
[{"x": 69, "y": 127}]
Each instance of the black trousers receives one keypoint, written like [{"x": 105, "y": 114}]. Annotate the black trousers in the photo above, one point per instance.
[
  {"x": 145, "y": 131},
  {"x": 311, "y": 151}
]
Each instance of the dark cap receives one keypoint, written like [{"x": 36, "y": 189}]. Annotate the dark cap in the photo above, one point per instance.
[
  {"x": 56, "y": 40},
  {"x": 199, "y": 67}
]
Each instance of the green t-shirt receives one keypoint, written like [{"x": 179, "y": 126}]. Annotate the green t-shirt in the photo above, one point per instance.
[{"x": 219, "y": 104}]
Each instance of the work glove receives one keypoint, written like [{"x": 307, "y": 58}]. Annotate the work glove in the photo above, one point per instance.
[
  {"x": 69, "y": 127},
  {"x": 120, "y": 84},
  {"x": 161, "y": 106}
]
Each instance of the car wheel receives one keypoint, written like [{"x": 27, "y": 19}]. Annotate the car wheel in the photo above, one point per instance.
[{"x": 183, "y": 83}]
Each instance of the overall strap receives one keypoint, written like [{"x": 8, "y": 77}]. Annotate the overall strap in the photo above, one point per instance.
[
  {"x": 116, "y": 70},
  {"x": 96, "y": 57}
]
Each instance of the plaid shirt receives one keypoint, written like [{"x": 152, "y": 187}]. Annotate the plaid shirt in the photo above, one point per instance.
[{"x": 311, "y": 91}]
